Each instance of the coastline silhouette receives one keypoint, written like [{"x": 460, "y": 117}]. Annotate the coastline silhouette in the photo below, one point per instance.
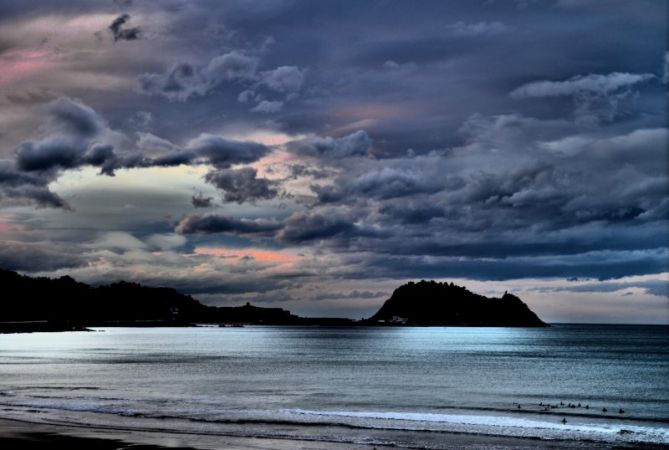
[{"x": 79, "y": 305}]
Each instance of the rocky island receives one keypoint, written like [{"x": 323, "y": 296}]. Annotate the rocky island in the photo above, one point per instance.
[
  {"x": 64, "y": 304},
  {"x": 428, "y": 303}
]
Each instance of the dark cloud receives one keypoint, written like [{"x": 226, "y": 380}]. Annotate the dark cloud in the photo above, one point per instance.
[
  {"x": 39, "y": 196},
  {"x": 222, "y": 152},
  {"x": 173, "y": 158},
  {"x": 70, "y": 144},
  {"x": 416, "y": 213},
  {"x": 50, "y": 153},
  {"x": 242, "y": 185},
  {"x": 80, "y": 137},
  {"x": 200, "y": 201},
  {"x": 488, "y": 161},
  {"x": 205, "y": 149},
  {"x": 215, "y": 223},
  {"x": 18, "y": 186},
  {"x": 354, "y": 144},
  {"x": 599, "y": 266},
  {"x": 11, "y": 176},
  {"x": 75, "y": 117},
  {"x": 385, "y": 183},
  {"x": 98, "y": 154},
  {"x": 36, "y": 257},
  {"x": 302, "y": 170},
  {"x": 119, "y": 30},
  {"x": 184, "y": 80},
  {"x": 179, "y": 83},
  {"x": 78, "y": 140},
  {"x": 301, "y": 228},
  {"x": 236, "y": 68}
]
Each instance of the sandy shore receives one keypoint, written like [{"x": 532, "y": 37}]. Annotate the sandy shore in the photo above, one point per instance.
[
  {"x": 19, "y": 435},
  {"x": 28, "y": 436}
]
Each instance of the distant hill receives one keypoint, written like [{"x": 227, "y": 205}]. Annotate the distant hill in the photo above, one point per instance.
[
  {"x": 46, "y": 304},
  {"x": 428, "y": 303},
  {"x": 63, "y": 303}
]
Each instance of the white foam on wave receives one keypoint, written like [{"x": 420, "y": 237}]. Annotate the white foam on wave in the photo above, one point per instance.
[
  {"x": 603, "y": 430},
  {"x": 400, "y": 420}
]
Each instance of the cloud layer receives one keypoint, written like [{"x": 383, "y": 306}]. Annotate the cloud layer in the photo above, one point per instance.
[{"x": 229, "y": 150}]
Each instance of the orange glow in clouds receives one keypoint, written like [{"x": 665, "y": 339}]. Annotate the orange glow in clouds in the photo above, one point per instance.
[{"x": 277, "y": 258}]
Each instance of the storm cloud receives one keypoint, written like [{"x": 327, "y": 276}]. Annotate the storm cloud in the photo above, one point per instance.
[
  {"x": 183, "y": 80},
  {"x": 216, "y": 223},
  {"x": 121, "y": 32},
  {"x": 242, "y": 185},
  {"x": 200, "y": 201},
  {"x": 399, "y": 141},
  {"x": 354, "y": 144}
]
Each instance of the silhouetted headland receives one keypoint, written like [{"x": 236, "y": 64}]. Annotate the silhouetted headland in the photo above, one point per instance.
[
  {"x": 63, "y": 304},
  {"x": 428, "y": 303}
]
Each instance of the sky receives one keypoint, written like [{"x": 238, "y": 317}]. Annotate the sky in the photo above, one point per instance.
[{"x": 316, "y": 155}]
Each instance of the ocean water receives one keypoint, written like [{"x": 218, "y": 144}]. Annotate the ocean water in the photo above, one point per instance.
[{"x": 407, "y": 387}]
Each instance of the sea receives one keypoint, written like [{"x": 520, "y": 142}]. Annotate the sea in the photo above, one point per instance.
[{"x": 401, "y": 387}]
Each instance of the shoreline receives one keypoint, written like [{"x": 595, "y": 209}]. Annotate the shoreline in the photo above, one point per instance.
[
  {"x": 21, "y": 434},
  {"x": 25, "y": 435},
  {"x": 49, "y": 327},
  {"x": 251, "y": 389}
]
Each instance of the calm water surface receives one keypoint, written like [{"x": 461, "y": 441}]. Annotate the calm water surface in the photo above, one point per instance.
[{"x": 360, "y": 385}]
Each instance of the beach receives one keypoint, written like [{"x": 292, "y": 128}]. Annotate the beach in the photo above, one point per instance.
[
  {"x": 338, "y": 387},
  {"x": 20, "y": 435}
]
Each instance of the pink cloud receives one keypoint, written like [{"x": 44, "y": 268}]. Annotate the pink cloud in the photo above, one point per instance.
[
  {"x": 277, "y": 258},
  {"x": 273, "y": 160},
  {"x": 7, "y": 227},
  {"x": 19, "y": 64}
]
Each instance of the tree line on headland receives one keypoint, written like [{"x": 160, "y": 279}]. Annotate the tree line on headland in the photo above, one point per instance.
[{"x": 45, "y": 304}]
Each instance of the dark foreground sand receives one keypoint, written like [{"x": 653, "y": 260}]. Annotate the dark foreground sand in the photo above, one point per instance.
[{"x": 19, "y": 435}]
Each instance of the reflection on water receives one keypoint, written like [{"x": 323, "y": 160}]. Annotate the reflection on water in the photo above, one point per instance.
[{"x": 490, "y": 380}]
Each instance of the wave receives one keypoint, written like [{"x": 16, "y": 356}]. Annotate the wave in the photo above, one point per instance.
[
  {"x": 509, "y": 425},
  {"x": 484, "y": 420},
  {"x": 562, "y": 411},
  {"x": 526, "y": 410},
  {"x": 55, "y": 388}
]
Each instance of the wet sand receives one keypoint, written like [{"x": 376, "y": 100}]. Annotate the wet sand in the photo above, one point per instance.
[
  {"x": 19, "y": 435},
  {"x": 30, "y": 436}
]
